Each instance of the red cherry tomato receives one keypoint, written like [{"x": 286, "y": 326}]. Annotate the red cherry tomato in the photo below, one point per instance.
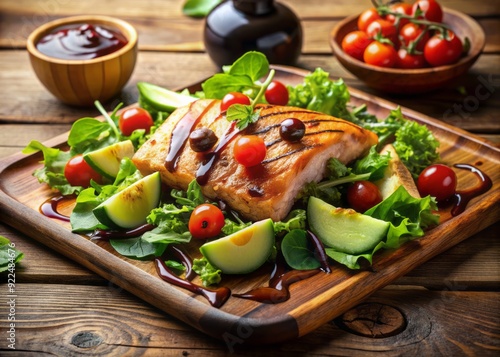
[
  {"x": 134, "y": 119},
  {"x": 206, "y": 221},
  {"x": 79, "y": 173},
  {"x": 380, "y": 54},
  {"x": 363, "y": 195},
  {"x": 402, "y": 8},
  {"x": 249, "y": 150},
  {"x": 410, "y": 61},
  {"x": 367, "y": 17},
  {"x": 233, "y": 98},
  {"x": 439, "y": 51},
  {"x": 411, "y": 32},
  {"x": 384, "y": 28},
  {"x": 438, "y": 181},
  {"x": 431, "y": 9},
  {"x": 276, "y": 93},
  {"x": 355, "y": 43}
]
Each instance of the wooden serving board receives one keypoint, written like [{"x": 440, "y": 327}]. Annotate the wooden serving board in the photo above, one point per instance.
[{"x": 314, "y": 301}]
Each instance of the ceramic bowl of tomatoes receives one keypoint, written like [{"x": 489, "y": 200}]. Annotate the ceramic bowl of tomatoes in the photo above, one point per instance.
[{"x": 414, "y": 54}]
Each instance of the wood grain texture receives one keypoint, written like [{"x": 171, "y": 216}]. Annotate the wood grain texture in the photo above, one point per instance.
[
  {"x": 307, "y": 309},
  {"x": 105, "y": 320}
]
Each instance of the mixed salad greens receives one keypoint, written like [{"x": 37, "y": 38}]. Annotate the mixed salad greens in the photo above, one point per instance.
[{"x": 408, "y": 217}]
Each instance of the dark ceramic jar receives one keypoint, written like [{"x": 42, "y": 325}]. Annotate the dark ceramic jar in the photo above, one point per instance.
[{"x": 238, "y": 26}]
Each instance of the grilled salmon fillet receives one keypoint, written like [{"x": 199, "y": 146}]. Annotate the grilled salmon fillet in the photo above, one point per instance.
[{"x": 268, "y": 189}]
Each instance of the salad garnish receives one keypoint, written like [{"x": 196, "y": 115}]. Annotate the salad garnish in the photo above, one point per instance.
[{"x": 168, "y": 224}]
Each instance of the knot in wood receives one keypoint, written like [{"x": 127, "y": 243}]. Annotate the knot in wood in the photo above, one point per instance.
[
  {"x": 86, "y": 339},
  {"x": 373, "y": 320}
]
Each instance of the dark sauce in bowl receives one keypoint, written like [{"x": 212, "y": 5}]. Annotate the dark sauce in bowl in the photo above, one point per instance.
[{"x": 81, "y": 42}]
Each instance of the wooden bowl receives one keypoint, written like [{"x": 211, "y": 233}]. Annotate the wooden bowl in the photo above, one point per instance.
[
  {"x": 409, "y": 81},
  {"x": 81, "y": 82}
]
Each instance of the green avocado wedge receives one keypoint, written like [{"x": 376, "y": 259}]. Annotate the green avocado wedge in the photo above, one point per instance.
[
  {"x": 106, "y": 161},
  {"x": 130, "y": 207},
  {"x": 344, "y": 230},
  {"x": 243, "y": 251},
  {"x": 162, "y": 99}
]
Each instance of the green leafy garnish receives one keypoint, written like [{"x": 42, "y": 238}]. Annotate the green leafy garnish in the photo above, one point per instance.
[
  {"x": 209, "y": 275},
  {"x": 9, "y": 255},
  {"x": 199, "y": 8},
  {"x": 296, "y": 251}
]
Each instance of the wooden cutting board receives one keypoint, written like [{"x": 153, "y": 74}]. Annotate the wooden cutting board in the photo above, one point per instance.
[{"x": 313, "y": 301}]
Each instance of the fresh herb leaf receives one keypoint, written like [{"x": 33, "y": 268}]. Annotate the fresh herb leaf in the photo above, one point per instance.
[
  {"x": 243, "y": 115},
  {"x": 296, "y": 219},
  {"x": 199, "y": 8},
  {"x": 296, "y": 251},
  {"x": 209, "y": 275},
  {"x": 52, "y": 172},
  {"x": 8, "y": 254},
  {"x": 137, "y": 248}
]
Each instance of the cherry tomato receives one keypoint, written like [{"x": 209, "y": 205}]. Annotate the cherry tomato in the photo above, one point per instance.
[
  {"x": 276, "y": 93},
  {"x": 437, "y": 180},
  {"x": 233, "y": 98},
  {"x": 206, "y": 221},
  {"x": 363, "y": 195},
  {"x": 367, "y": 17},
  {"x": 355, "y": 43},
  {"x": 384, "y": 28},
  {"x": 431, "y": 9},
  {"x": 249, "y": 150},
  {"x": 133, "y": 119},
  {"x": 439, "y": 51},
  {"x": 380, "y": 54},
  {"x": 411, "y": 32},
  {"x": 410, "y": 61},
  {"x": 402, "y": 8},
  {"x": 79, "y": 173}
]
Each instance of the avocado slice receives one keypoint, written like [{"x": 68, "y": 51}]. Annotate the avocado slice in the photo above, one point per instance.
[
  {"x": 243, "y": 251},
  {"x": 344, "y": 229},
  {"x": 162, "y": 99},
  {"x": 106, "y": 161},
  {"x": 130, "y": 207}
]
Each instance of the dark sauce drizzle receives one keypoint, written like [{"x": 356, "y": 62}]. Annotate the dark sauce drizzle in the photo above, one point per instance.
[
  {"x": 180, "y": 135},
  {"x": 279, "y": 283},
  {"x": 206, "y": 167},
  {"x": 103, "y": 234},
  {"x": 462, "y": 198},
  {"x": 216, "y": 297},
  {"x": 49, "y": 208}
]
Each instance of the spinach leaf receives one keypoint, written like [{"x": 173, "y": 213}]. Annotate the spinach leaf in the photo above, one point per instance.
[
  {"x": 137, "y": 248},
  {"x": 296, "y": 251}
]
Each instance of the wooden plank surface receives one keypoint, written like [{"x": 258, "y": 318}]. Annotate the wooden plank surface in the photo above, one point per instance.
[{"x": 63, "y": 305}]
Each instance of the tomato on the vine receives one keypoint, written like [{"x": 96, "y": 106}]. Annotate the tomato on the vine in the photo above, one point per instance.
[
  {"x": 276, "y": 93},
  {"x": 384, "y": 28},
  {"x": 233, "y": 98},
  {"x": 355, "y": 43},
  {"x": 402, "y": 8},
  {"x": 440, "y": 51},
  {"x": 411, "y": 32},
  {"x": 431, "y": 10},
  {"x": 380, "y": 54},
  {"x": 410, "y": 61},
  {"x": 367, "y": 17},
  {"x": 79, "y": 173},
  {"x": 249, "y": 150},
  {"x": 438, "y": 181},
  {"x": 206, "y": 221},
  {"x": 133, "y": 119},
  {"x": 363, "y": 195}
]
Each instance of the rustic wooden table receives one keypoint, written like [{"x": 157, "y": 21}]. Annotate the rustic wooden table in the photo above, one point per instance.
[{"x": 451, "y": 303}]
